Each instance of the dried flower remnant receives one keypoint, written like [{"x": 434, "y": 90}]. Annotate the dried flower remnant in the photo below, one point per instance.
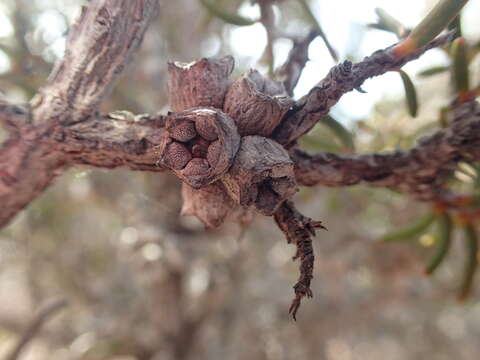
[{"x": 181, "y": 130}]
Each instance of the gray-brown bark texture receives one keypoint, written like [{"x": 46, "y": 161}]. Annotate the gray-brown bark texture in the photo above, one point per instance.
[
  {"x": 232, "y": 143},
  {"x": 99, "y": 47}
]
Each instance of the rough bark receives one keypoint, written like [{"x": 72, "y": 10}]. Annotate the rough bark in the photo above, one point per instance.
[
  {"x": 60, "y": 127},
  {"x": 341, "y": 79},
  {"x": 99, "y": 47},
  {"x": 118, "y": 139},
  {"x": 201, "y": 83},
  {"x": 28, "y": 162},
  {"x": 421, "y": 171}
]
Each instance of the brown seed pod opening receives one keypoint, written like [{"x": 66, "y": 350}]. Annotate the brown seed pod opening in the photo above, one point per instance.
[
  {"x": 261, "y": 175},
  {"x": 213, "y": 152},
  {"x": 177, "y": 156},
  {"x": 205, "y": 129},
  {"x": 199, "y": 83},
  {"x": 208, "y": 160},
  {"x": 181, "y": 130},
  {"x": 199, "y": 147},
  {"x": 256, "y": 104},
  {"x": 211, "y": 204}
]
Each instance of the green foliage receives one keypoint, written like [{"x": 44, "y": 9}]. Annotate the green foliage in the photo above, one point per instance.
[
  {"x": 438, "y": 18},
  {"x": 471, "y": 261},
  {"x": 230, "y": 18},
  {"x": 434, "y": 70},
  {"x": 344, "y": 135},
  {"x": 443, "y": 241},
  {"x": 74, "y": 240},
  {"x": 321, "y": 139},
  {"x": 410, "y": 93},
  {"x": 459, "y": 56},
  {"x": 389, "y": 23},
  {"x": 411, "y": 231}
]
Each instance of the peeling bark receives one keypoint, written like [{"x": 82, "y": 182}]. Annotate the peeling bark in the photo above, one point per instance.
[
  {"x": 118, "y": 139},
  {"x": 201, "y": 83},
  {"x": 99, "y": 47},
  {"x": 211, "y": 204},
  {"x": 28, "y": 163}
]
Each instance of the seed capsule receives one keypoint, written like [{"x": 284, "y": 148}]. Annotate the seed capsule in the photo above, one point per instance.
[
  {"x": 213, "y": 153},
  {"x": 199, "y": 147},
  {"x": 177, "y": 156},
  {"x": 182, "y": 130}
]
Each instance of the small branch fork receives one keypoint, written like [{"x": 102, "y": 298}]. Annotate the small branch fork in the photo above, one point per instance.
[
  {"x": 232, "y": 144},
  {"x": 341, "y": 79},
  {"x": 289, "y": 73},
  {"x": 99, "y": 47}
]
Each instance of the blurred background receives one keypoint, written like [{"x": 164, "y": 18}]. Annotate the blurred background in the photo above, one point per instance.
[{"x": 144, "y": 283}]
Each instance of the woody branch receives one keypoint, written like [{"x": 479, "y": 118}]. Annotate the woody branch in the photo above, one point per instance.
[{"x": 99, "y": 47}]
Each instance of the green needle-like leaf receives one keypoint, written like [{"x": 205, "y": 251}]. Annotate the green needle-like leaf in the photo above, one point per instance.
[
  {"x": 444, "y": 239},
  {"x": 339, "y": 130},
  {"x": 437, "y": 20},
  {"x": 410, "y": 93},
  {"x": 389, "y": 23},
  {"x": 460, "y": 65},
  {"x": 408, "y": 232},
  {"x": 433, "y": 71},
  {"x": 471, "y": 262},
  {"x": 312, "y": 143},
  {"x": 228, "y": 17}
]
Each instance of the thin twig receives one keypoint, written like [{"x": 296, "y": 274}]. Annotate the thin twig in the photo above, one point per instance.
[
  {"x": 31, "y": 331},
  {"x": 289, "y": 73},
  {"x": 321, "y": 33},
  {"x": 421, "y": 171},
  {"x": 341, "y": 79},
  {"x": 267, "y": 18}
]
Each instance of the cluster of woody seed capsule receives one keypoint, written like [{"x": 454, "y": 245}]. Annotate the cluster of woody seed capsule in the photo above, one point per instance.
[{"x": 193, "y": 146}]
